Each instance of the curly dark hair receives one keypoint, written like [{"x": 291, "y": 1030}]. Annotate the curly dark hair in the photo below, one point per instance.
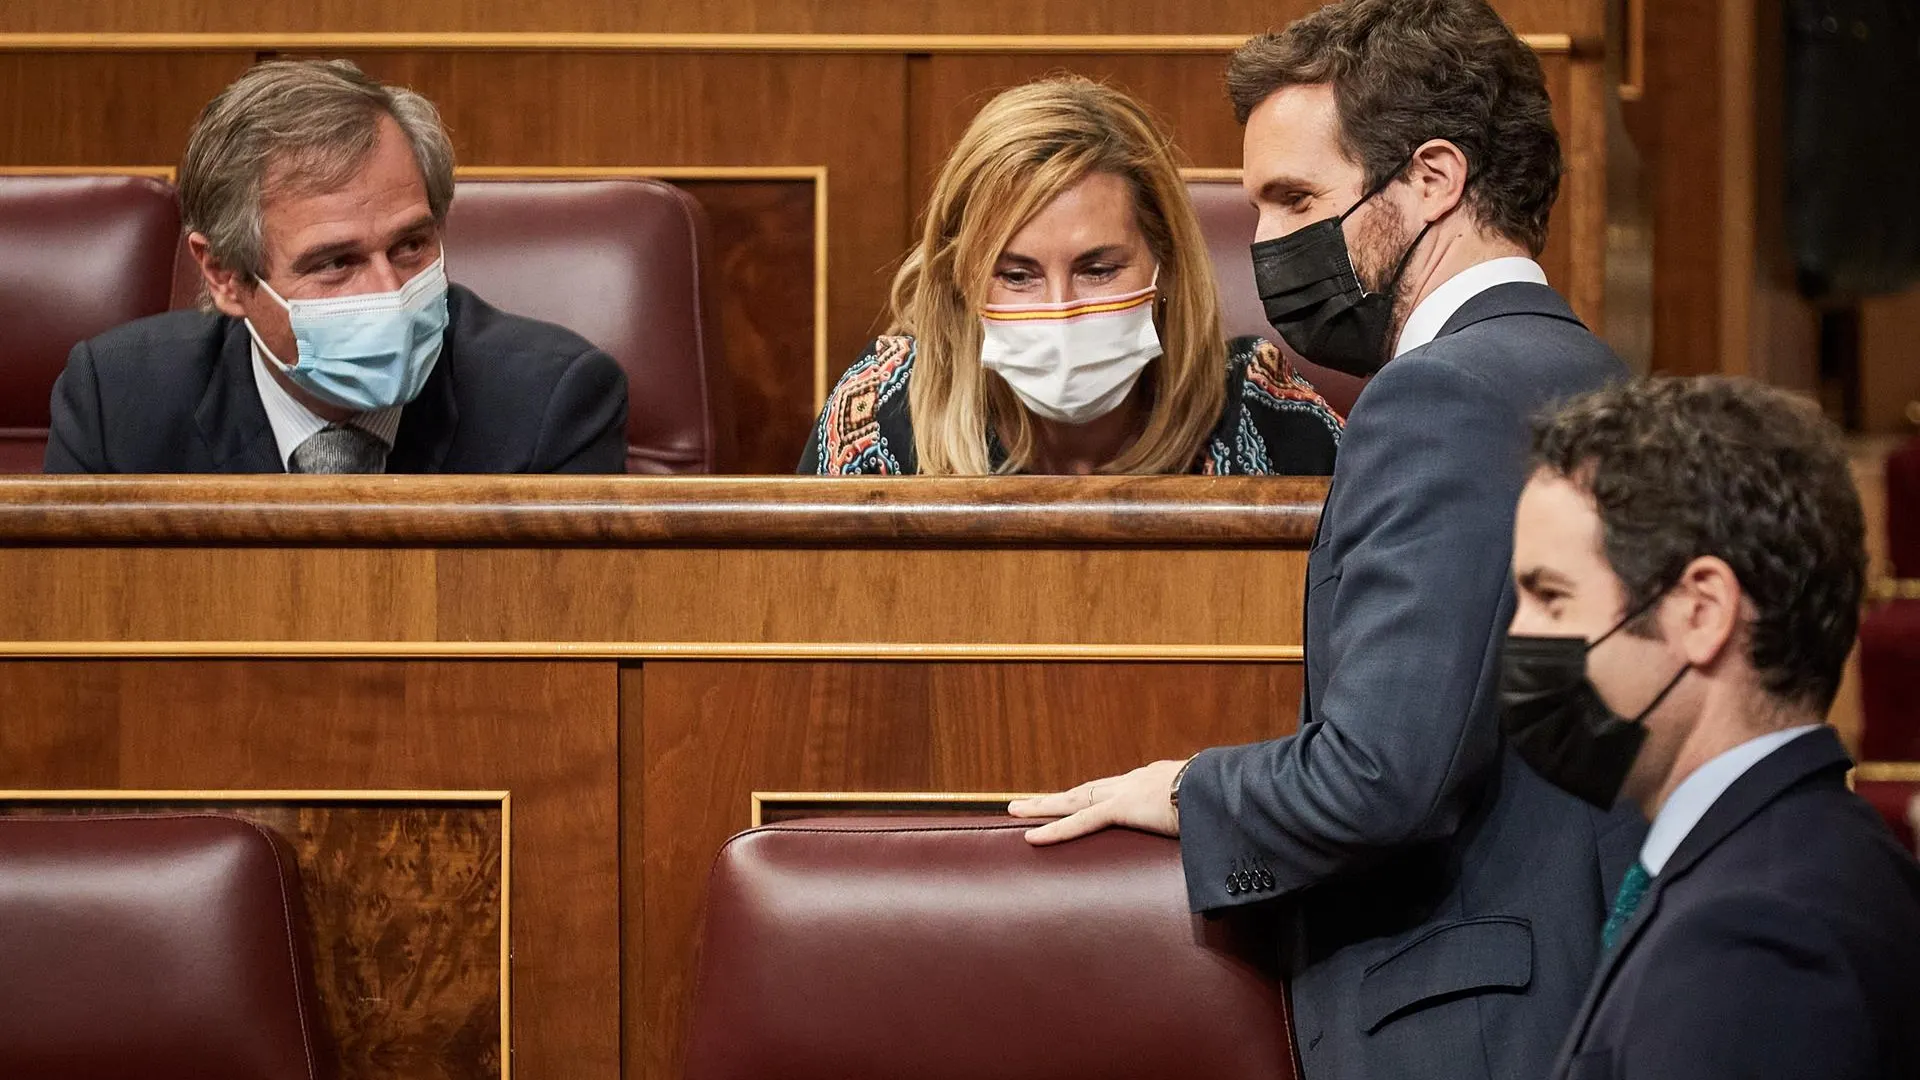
[
  {"x": 1406, "y": 71},
  {"x": 1685, "y": 468}
]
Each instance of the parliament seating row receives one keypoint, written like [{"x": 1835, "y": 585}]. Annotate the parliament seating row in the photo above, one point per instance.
[{"x": 624, "y": 263}]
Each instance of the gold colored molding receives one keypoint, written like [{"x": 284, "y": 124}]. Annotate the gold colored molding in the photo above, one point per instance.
[
  {"x": 635, "y": 650},
  {"x": 1212, "y": 175},
  {"x": 931, "y": 801},
  {"x": 1882, "y": 590},
  {"x": 502, "y": 798},
  {"x": 714, "y": 43},
  {"x": 814, "y": 174},
  {"x": 1903, "y": 772},
  {"x": 165, "y": 173}
]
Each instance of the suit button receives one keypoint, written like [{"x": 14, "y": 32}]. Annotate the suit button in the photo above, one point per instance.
[
  {"x": 1246, "y": 881},
  {"x": 1233, "y": 885},
  {"x": 1266, "y": 879}
]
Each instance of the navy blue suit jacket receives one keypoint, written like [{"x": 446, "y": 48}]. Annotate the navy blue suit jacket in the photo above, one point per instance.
[
  {"x": 174, "y": 393},
  {"x": 1781, "y": 940},
  {"x": 1443, "y": 904}
]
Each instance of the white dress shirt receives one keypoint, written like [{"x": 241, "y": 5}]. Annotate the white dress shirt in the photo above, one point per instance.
[
  {"x": 1440, "y": 305},
  {"x": 294, "y": 423},
  {"x": 1697, "y": 794}
]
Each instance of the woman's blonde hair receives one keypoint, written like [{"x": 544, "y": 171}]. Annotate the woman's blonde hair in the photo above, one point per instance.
[{"x": 1030, "y": 144}]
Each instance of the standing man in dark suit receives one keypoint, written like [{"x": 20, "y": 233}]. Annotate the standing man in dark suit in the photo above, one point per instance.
[
  {"x": 315, "y": 200},
  {"x": 1441, "y": 904},
  {"x": 1689, "y": 560}
]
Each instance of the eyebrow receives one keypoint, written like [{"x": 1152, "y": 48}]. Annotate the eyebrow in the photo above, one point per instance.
[
  {"x": 314, "y": 256},
  {"x": 1532, "y": 580},
  {"x": 1103, "y": 252}
]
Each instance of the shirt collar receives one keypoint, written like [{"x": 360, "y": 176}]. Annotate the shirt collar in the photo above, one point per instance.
[
  {"x": 1431, "y": 316},
  {"x": 293, "y": 423},
  {"x": 1698, "y": 792}
]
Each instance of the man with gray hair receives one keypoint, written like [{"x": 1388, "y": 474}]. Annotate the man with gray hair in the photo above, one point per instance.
[{"x": 315, "y": 202}]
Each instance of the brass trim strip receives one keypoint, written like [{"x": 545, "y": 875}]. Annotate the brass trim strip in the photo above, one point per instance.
[
  {"x": 505, "y": 800},
  {"x": 1882, "y": 590},
  {"x": 604, "y": 42},
  {"x": 1231, "y": 174},
  {"x": 1906, "y": 772},
  {"x": 638, "y": 650},
  {"x": 164, "y": 173},
  {"x": 814, "y": 174},
  {"x": 759, "y": 800}
]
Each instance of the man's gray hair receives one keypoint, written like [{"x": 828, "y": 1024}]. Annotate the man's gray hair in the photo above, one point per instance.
[{"x": 302, "y": 126}]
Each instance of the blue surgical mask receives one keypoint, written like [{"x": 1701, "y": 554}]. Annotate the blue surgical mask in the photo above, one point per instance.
[{"x": 366, "y": 352}]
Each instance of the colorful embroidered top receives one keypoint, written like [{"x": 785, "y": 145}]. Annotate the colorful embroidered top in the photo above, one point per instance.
[{"x": 1274, "y": 423}]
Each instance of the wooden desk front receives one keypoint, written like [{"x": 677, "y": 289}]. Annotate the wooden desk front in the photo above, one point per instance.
[{"x": 382, "y": 666}]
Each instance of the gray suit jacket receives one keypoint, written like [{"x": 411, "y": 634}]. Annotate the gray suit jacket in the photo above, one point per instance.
[{"x": 1444, "y": 903}]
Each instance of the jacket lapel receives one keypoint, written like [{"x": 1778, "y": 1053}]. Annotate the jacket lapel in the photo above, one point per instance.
[
  {"x": 1771, "y": 777},
  {"x": 231, "y": 419}
]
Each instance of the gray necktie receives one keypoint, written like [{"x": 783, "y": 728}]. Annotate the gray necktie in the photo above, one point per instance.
[{"x": 339, "y": 448}]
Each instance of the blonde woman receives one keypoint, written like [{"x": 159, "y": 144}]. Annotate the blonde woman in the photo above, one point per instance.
[{"x": 1059, "y": 315}]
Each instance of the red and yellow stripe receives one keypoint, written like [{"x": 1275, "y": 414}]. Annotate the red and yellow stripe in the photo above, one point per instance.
[{"x": 1077, "y": 309}]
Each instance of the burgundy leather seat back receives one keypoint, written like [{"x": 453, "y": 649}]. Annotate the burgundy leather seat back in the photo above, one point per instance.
[
  {"x": 79, "y": 255},
  {"x": 1898, "y": 802},
  {"x": 1228, "y": 220},
  {"x": 157, "y": 946},
  {"x": 950, "y": 949},
  {"x": 626, "y": 265}
]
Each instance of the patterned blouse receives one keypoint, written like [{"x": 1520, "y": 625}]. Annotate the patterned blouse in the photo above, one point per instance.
[{"x": 1275, "y": 422}]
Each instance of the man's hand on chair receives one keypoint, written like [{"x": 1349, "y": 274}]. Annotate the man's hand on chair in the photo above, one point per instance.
[{"x": 1142, "y": 799}]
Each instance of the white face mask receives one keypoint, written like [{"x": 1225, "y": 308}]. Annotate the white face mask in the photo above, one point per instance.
[{"x": 1072, "y": 362}]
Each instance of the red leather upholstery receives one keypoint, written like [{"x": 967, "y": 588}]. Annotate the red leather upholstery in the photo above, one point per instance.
[
  {"x": 1890, "y": 682},
  {"x": 626, "y": 265},
  {"x": 1228, "y": 220},
  {"x": 161, "y": 947},
  {"x": 79, "y": 255},
  {"x": 950, "y": 949},
  {"x": 1896, "y": 802},
  {"x": 1903, "y": 509}
]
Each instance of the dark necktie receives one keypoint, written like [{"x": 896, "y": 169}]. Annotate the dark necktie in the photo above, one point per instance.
[
  {"x": 340, "y": 448},
  {"x": 1633, "y": 889}
]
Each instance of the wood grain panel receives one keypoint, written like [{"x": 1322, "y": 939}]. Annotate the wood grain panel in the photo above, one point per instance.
[
  {"x": 1890, "y": 363},
  {"x": 846, "y": 112},
  {"x": 547, "y": 732},
  {"x": 1116, "y": 511},
  {"x": 712, "y": 733},
  {"x": 403, "y": 910},
  {"x": 257, "y": 593},
  {"x": 105, "y": 109},
  {"x": 680, "y": 595},
  {"x": 763, "y": 235},
  {"x": 696, "y": 16}
]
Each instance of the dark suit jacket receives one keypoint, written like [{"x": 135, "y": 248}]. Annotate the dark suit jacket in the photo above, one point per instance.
[
  {"x": 1444, "y": 903},
  {"x": 174, "y": 393},
  {"x": 1781, "y": 940}
]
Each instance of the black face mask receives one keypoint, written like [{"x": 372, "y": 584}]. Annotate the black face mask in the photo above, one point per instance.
[
  {"x": 1315, "y": 300},
  {"x": 1554, "y": 718}
]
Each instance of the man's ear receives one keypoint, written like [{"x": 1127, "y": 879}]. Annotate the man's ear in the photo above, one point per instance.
[
  {"x": 1438, "y": 176},
  {"x": 223, "y": 285},
  {"x": 1711, "y": 608}
]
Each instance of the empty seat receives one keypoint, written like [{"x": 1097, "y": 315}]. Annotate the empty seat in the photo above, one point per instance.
[
  {"x": 155, "y": 946},
  {"x": 79, "y": 255},
  {"x": 1228, "y": 220},
  {"x": 951, "y": 949},
  {"x": 626, "y": 264}
]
